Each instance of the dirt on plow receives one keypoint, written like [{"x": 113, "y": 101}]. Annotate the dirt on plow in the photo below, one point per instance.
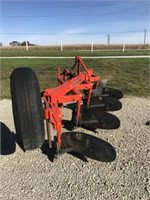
[{"x": 35, "y": 175}]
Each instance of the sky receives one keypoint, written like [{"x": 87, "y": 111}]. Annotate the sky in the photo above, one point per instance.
[{"x": 74, "y": 22}]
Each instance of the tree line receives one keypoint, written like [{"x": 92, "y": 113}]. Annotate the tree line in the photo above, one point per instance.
[{"x": 16, "y": 43}]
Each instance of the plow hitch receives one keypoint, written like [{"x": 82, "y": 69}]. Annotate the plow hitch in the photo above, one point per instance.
[{"x": 80, "y": 90}]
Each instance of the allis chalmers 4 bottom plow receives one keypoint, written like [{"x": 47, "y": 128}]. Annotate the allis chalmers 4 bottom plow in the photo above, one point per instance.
[{"x": 79, "y": 90}]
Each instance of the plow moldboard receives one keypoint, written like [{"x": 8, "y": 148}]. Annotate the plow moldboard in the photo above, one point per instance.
[{"x": 89, "y": 146}]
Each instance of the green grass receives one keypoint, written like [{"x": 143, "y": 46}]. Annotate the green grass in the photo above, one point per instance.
[
  {"x": 129, "y": 75},
  {"x": 40, "y": 52}
]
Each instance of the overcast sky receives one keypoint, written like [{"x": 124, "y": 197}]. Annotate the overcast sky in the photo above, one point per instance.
[{"x": 49, "y": 22}]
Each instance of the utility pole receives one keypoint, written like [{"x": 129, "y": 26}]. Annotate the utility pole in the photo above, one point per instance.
[
  {"x": 108, "y": 39},
  {"x": 27, "y": 46},
  {"x": 123, "y": 47},
  {"x": 144, "y": 37},
  {"x": 61, "y": 45},
  {"x": 92, "y": 47}
]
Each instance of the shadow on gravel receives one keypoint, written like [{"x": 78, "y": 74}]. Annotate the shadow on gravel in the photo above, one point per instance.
[
  {"x": 67, "y": 124},
  {"x": 8, "y": 140},
  {"x": 49, "y": 152},
  {"x": 147, "y": 123},
  {"x": 79, "y": 156}
]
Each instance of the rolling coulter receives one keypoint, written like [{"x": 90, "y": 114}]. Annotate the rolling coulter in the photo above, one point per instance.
[{"x": 79, "y": 90}]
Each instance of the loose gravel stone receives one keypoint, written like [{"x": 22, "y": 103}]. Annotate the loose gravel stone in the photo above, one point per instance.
[{"x": 32, "y": 175}]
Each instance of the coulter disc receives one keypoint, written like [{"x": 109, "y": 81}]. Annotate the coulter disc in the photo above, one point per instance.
[
  {"x": 117, "y": 94},
  {"x": 94, "y": 118},
  {"x": 89, "y": 146},
  {"x": 105, "y": 103}
]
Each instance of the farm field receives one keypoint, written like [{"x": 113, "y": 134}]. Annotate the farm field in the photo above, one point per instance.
[
  {"x": 49, "y": 52},
  {"x": 129, "y": 75},
  {"x": 73, "y": 50}
]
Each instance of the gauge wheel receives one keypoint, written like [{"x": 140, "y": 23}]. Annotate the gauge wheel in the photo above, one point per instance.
[{"x": 27, "y": 108}]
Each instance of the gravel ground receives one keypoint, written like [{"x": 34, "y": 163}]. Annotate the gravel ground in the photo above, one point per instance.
[{"x": 32, "y": 175}]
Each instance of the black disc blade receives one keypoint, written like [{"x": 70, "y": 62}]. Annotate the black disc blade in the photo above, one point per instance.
[
  {"x": 117, "y": 94},
  {"x": 105, "y": 103},
  {"x": 89, "y": 146},
  {"x": 94, "y": 118}
]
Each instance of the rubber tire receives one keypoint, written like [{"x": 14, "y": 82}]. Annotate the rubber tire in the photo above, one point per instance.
[{"x": 27, "y": 108}]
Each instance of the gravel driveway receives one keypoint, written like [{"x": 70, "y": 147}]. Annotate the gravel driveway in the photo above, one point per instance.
[{"x": 33, "y": 176}]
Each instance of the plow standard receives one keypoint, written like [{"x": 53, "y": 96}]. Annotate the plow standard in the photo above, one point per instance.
[{"x": 80, "y": 90}]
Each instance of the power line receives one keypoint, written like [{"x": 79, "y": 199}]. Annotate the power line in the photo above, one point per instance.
[
  {"x": 88, "y": 5},
  {"x": 83, "y": 33},
  {"x": 69, "y": 15},
  {"x": 144, "y": 36},
  {"x": 82, "y": 6},
  {"x": 108, "y": 39}
]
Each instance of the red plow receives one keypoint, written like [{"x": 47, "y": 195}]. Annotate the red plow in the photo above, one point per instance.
[{"x": 80, "y": 90}]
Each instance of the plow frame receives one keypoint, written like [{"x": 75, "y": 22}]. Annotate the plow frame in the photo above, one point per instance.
[{"x": 71, "y": 83}]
